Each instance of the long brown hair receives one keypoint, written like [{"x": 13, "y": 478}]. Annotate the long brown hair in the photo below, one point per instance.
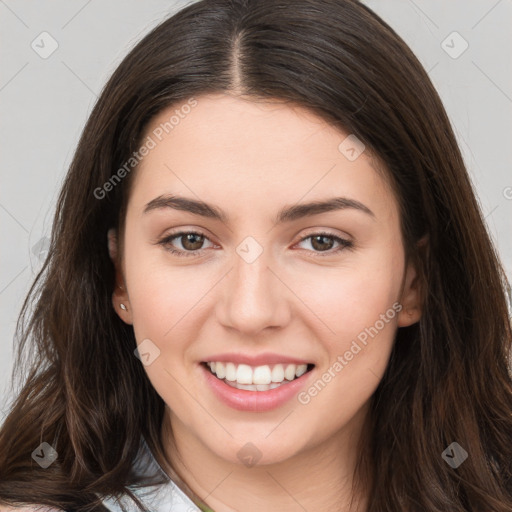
[{"x": 448, "y": 378}]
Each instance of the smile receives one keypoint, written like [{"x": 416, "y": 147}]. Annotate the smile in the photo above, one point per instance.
[
  {"x": 257, "y": 378},
  {"x": 255, "y": 388}
]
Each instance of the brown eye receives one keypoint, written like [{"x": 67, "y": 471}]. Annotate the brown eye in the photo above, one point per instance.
[
  {"x": 326, "y": 244},
  {"x": 322, "y": 242},
  {"x": 192, "y": 241},
  {"x": 185, "y": 243}
]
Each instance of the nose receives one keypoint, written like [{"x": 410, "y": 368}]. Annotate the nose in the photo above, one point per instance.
[{"x": 253, "y": 297}]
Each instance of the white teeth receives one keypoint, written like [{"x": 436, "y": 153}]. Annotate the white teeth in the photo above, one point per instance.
[
  {"x": 253, "y": 387},
  {"x": 289, "y": 373},
  {"x": 243, "y": 374},
  {"x": 262, "y": 375},
  {"x": 220, "y": 370},
  {"x": 231, "y": 372},
  {"x": 259, "y": 376},
  {"x": 278, "y": 373},
  {"x": 301, "y": 370}
]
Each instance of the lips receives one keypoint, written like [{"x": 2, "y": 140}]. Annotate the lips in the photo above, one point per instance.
[{"x": 258, "y": 383}]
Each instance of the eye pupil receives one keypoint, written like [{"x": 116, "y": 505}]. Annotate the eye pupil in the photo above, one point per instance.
[
  {"x": 322, "y": 239},
  {"x": 189, "y": 238}
]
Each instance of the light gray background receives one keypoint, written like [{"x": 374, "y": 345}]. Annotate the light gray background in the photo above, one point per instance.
[{"x": 44, "y": 103}]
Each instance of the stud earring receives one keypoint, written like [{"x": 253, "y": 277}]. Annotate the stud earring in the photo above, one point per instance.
[{"x": 123, "y": 307}]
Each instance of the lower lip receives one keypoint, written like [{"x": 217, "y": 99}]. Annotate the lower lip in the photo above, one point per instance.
[{"x": 254, "y": 401}]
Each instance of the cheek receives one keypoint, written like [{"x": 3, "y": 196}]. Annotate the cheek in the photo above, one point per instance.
[
  {"x": 361, "y": 308},
  {"x": 160, "y": 293},
  {"x": 168, "y": 309},
  {"x": 150, "y": 293},
  {"x": 167, "y": 305},
  {"x": 352, "y": 297}
]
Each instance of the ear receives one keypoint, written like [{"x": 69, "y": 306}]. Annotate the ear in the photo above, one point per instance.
[
  {"x": 412, "y": 293},
  {"x": 120, "y": 299}
]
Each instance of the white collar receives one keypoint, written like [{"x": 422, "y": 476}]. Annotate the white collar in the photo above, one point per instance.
[{"x": 167, "y": 497}]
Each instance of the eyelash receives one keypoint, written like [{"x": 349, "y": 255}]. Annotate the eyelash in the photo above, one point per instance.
[{"x": 344, "y": 244}]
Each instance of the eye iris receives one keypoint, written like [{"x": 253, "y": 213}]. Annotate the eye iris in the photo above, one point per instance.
[
  {"x": 189, "y": 238},
  {"x": 322, "y": 239}
]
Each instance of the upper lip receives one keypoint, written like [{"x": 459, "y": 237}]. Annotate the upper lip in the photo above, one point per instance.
[{"x": 255, "y": 360}]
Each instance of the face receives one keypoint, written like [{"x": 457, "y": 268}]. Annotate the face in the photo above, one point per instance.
[{"x": 259, "y": 283}]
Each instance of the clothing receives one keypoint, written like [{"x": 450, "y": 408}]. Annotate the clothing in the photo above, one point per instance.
[{"x": 167, "y": 497}]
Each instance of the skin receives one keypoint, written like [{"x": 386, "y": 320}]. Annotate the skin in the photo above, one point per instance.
[{"x": 251, "y": 159}]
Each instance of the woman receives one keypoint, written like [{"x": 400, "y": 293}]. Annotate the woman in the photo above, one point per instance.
[{"x": 269, "y": 287}]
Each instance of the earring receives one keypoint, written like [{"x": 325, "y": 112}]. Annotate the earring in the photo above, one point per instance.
[{"x": 123, "y": 307}]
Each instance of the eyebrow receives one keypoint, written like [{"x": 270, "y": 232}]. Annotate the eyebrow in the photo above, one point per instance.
[{"x": 286, "y": 214}]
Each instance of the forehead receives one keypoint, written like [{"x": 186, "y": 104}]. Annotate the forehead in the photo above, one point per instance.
[
  {"x": 248, "y": 128},
  {"x": 234, "y": 149}
]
